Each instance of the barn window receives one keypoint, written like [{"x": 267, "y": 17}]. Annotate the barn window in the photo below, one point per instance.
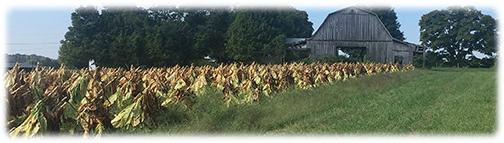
[{"x": 398, "y": 60}]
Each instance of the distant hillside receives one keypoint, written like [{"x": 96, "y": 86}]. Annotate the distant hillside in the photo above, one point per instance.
[{"x": 32, "y": 59}]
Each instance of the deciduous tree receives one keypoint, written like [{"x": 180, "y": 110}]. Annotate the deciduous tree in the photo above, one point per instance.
[{"x": 457, "y": 33}]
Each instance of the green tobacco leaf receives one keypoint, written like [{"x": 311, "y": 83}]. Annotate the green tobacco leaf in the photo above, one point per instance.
[
  {"x": 34, "y": 123},
  {"x": 131, "y": 116},
  {"x": 112, "y": 99}
]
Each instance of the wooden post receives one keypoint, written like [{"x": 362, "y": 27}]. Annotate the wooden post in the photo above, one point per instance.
[{"x": 423, "y": 58}]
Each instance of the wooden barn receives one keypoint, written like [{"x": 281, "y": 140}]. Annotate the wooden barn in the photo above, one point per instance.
[{"x": 358, "y": 29}]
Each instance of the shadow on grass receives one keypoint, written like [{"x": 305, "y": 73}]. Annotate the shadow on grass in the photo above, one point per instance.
[{"x": 207, "y": 115}]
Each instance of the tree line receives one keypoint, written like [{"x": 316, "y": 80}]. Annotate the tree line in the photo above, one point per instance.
[
  {"x": 165, "y": 36},
  {"x": 32, "y": 59}
]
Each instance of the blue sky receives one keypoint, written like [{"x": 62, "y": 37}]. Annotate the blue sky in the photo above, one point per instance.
[{"x": 38, "y": 31}]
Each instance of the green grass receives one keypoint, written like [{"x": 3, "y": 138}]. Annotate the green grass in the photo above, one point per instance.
[{"x": 439, "y": 101}]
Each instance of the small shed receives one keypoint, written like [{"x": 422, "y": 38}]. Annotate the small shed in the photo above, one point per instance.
[{"x": 355, "y": 28}]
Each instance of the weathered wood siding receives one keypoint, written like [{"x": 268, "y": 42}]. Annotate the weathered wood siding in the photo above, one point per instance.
[
  {"x": 375, "y": 51},
  {"x": 403, "y": 50},
  {"x": 353, "y": 27}
]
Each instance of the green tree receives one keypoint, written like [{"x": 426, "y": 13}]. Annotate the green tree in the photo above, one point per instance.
[
  {"x": 454, "y": 34},
  {"x": 77, "y": 47},
  {"x": 168, "y": 45},
  {"x": 33, "y": 60},
  {"x": 113, "y": 38},
  {"x": 210, "y": 37},
  {"x": 250, "y": 37},
  {"x": 292, "y": 23},
  {"x": 259, "y": 34},
  {"x": 122, "y": 37},
  {"x": 165, "y": 36}
]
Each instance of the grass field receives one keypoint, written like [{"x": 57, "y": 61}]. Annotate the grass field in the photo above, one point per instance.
[{"x": 439, "y": 101}]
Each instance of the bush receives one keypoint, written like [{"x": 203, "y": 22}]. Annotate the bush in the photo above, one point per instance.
[
  {"x": 297, "y": 55},
  {"x": 482, "y": 63}
]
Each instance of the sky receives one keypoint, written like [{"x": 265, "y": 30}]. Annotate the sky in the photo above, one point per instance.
[{"x": 38, "y": 31}]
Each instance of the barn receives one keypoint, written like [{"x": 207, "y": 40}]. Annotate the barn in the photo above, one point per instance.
[{"x": 361, "y": 30}]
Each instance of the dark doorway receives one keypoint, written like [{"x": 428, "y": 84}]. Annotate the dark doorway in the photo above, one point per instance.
[
  {"x": 398, "y": 60},
  {"x": 355, "y": 54}
]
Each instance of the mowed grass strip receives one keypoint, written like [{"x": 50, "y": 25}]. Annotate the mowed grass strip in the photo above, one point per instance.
[
  {"x": 453, "y": 102},
  {"x": 439, "y": 101}
]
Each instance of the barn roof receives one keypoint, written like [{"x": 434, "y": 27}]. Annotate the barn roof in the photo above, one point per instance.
[
  {"x": 373, "y": 14},
  {"x": 418, "y": 48},
  {"x": 353, "y": 8}
]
